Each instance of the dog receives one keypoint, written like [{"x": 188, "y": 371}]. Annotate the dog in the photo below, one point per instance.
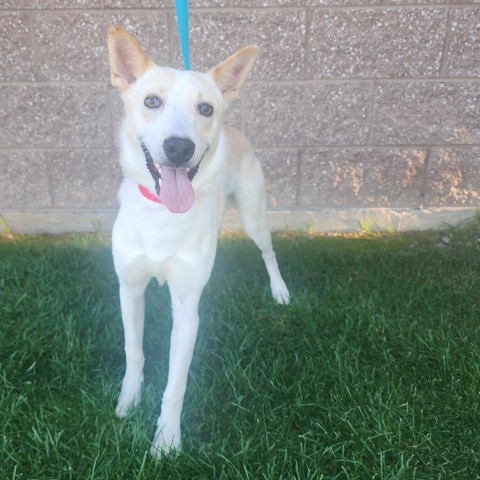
[{"x": 179, "y": 164}]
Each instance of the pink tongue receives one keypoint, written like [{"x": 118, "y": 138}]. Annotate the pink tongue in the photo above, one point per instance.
[{"x": 176, "y": 192}]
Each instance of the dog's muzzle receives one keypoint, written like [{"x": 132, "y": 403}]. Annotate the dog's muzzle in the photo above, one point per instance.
[{"x": 176, "y": 193}]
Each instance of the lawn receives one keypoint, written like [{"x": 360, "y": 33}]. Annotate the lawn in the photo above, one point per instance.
[{"x": 372, "y": 372}]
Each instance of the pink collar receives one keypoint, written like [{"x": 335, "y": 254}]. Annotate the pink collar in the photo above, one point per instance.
[{"x": 148, "y": 194}]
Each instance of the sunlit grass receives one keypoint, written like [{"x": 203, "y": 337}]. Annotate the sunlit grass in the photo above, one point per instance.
[{"x": 372, "y": 372}]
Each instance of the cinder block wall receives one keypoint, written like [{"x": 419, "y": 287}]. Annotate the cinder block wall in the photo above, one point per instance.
[{"x": 363, "y": 112}]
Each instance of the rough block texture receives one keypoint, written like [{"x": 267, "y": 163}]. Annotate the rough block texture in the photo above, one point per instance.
[
  {"x": 377, "y": 43},
  {"x": 362, "y": 178},
  {"x": 306, "y": 115},
  {"x": 282, "y": 185},
  {"x": 355, "y": 109},
  {"x": 281, "y": 35},
  {"x": 89, "y": 179},
  {"x": 426, "y": 113},
  {"x": 72, "y": 46},
  {"x": 17, "y": 56},
  {"x": 463, "y": 56},
  {"x": 56, "y": 116},
  {"x": 25, "y": 180},
  {"x": 454, "y": 177}
]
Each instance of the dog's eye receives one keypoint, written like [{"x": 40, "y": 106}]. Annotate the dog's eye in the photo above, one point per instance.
[
  {"x": 205, "y": 109},
  {"x": 152, "y": 102}
]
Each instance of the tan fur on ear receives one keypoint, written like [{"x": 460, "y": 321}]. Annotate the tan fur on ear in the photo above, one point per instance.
[
  {"x": 231, "y": 74},
  {"x": 127, "y": 60}
]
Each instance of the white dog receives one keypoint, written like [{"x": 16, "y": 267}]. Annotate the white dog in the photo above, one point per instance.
[{"x": 179, "y": 163}]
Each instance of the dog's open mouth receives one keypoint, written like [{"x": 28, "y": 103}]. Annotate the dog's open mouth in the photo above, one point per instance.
[{"x": 176, "y": 192}]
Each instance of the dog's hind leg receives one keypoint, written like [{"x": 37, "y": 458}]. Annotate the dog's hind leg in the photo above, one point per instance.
[
  {"x": 133, "y": 311},
  {"x": 250, "y": 198}
]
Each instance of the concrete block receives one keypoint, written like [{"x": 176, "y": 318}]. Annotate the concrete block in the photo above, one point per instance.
[
  {"x": 233, "y": 116},
  {"x": 24, "y": 180},
  {"x": 57, "y": 116},
  {"x": 325, "y": 220},
  {"x": 84, "y": 179},
  {"x": 214, "y": 36},
  {"x": 419, "y": 113},
  {"x": 339, "y": 220},
  {"x": 138, "y": 4},
  {"x": 48, "y": 4},
  {"x": 315, "y": 3},
  {"x": 72, "y": 46},
  {"x": 251, "y": 3},
  {"x": 16, "y": 63},
  {"x": 356, "y": 178},
  {"x": 116, "y": 111},
  {"x": 280, "y": 169},
  {"x": 463, "y": 54},
  {"x": 57, "y": 221},
  {"x": 453, "y": 177},
  {"x": 306, "y": 115},
  {"x": 376, "y": 43}
]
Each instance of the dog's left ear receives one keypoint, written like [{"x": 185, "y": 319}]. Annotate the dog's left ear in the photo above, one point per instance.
[{"x": 231, "y": 74}]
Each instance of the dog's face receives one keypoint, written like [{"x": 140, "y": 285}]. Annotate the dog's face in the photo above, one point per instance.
[{"x": 175, "y": 115}]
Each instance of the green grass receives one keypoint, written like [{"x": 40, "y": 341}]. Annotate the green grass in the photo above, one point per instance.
[{"x": 372, "y": 372}]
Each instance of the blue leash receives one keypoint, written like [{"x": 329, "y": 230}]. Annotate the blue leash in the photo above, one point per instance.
[{"x": 181, "y": 7}]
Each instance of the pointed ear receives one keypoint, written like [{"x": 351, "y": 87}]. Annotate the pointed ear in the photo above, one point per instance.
[
  {"x": 127, "y": 60},
  {"x": 231, "y": 74}
]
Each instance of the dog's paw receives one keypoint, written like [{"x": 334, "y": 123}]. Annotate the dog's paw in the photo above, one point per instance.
[
  {"x": 280, "y": 293},
  {"x": 167, "y": 440},
  {"x": 129, "y": 398}
]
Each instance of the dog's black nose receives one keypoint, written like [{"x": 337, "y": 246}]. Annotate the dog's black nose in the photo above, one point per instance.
[{"x": 178, "y": 150}]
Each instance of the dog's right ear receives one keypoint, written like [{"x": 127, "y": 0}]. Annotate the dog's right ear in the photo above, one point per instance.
[{"x": 127, "y": 60}]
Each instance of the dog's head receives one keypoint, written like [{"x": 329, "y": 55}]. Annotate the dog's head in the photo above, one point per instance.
[{"x": 175, "y": 114}]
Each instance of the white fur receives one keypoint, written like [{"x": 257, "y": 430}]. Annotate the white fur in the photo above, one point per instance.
[{"x": 179, "y": 249}]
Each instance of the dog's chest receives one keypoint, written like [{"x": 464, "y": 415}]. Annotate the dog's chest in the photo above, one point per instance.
[{"x": 147, "y": 234}]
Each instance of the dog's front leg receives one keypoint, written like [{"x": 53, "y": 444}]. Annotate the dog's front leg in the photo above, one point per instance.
[
  {"x": 132, "y": 302},
  {"x": 182, "y": 343}
]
